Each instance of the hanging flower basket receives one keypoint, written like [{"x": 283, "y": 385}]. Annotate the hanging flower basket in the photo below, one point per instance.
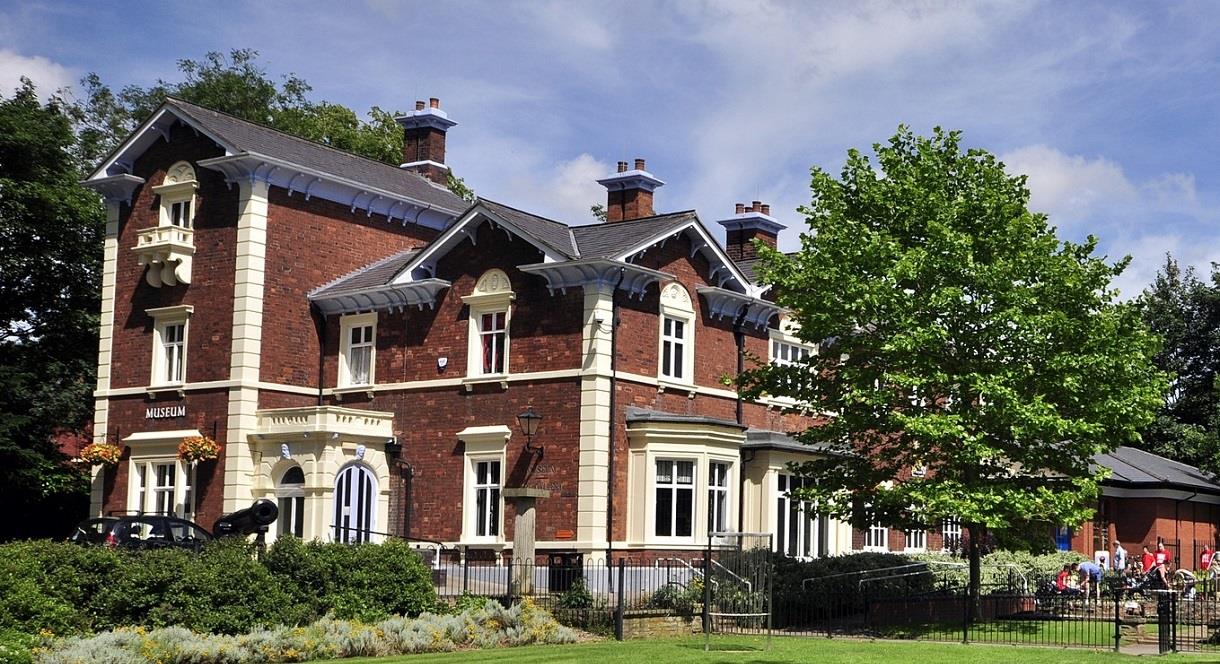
[
  {"x": 101, "y": 454},
  {"x": 198, "y": 448}
]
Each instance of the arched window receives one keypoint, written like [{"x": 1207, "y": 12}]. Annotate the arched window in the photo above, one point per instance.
[
  {"x": 490, "y": 315},
  {"x": 177, "y": 194},
  {"x": 291, "y": 495},
  {"x": 355, "y": 504},
  {"x": 677, "y": 341}
]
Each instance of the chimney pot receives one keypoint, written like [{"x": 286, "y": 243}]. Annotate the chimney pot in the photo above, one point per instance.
[
  {"x": 639, "y": 164},
  {"x": 740, "y": 208},
  {"x": 419, "y": 105},
  {"x": 622, "y": 167},
  {"x": 433, "y": 102},
  {"x": 766, "y": 209},
  {"x": 756, "y": 206}
]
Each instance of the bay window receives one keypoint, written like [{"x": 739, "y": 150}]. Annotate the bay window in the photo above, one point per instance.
[
  {"x": 718, "y": 497},
  {"x": 675, "y": 498}
]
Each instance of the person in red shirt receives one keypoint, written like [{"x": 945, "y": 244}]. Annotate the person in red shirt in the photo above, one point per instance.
[
  {"x": 1205, "y": 558},
  {"x": 1061, "y": 579},
  {"x": 1148, "y": 560},
  {"x": 1162, "y": 556}
]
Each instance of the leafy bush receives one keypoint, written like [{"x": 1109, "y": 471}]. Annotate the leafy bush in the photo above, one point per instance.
[
  {"x": 68, "y": 589},
  {"x": 488, "y": 626},
  {"x": 17, "y": 647},
  {"x": 575, "y": 597},
  {"x": 361, "y": 581},
  {"x": 1006, "y": 569}
]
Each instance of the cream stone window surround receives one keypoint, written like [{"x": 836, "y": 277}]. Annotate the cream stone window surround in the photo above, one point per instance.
[
  {"x": 662, "y": 441},
  {"x": 150, "y": 449},
  {"x": 346, "y": 380},
  {"x": 164, "y": 353},
  {"x": 492, "y": 295},
  {"x": 676, "y": 339},
  {"x": 482, "y": 443},
  {"x": 167, "y": 248}
]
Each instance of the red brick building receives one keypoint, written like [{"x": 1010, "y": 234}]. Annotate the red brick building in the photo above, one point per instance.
[
  {"x": 1149, "y": 499},
  {"x": 362, "y": 341}
]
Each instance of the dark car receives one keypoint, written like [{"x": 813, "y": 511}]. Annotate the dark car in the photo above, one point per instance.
[{"x": 141, "y": 531}]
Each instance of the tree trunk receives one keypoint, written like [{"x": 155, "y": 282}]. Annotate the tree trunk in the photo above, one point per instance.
[{"x": 974, "y": 547}]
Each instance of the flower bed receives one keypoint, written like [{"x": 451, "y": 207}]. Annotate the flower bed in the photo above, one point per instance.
[{"x": 487, "y": 626}]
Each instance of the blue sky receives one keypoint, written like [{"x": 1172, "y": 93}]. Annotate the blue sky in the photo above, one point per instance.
[{"x": 1112, "y": 109}]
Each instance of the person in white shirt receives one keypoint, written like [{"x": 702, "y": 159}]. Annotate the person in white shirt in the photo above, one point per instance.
[{"x": 1120, "y": 557}]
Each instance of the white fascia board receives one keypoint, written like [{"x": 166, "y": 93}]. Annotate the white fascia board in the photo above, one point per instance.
[
  {"x": 708, "y": 243},
  {"x": 143, "y": 137},
  {"x": 457, "y": 233},
  {"x": 281, "y": 173}
]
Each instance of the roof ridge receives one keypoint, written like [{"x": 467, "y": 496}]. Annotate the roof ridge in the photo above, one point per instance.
[
  {"x": 532, "y": 214},
  {"x": 639, "y": 219},
  {"x": 320, "y": 144},
  {"x": 364, "y": 268}
]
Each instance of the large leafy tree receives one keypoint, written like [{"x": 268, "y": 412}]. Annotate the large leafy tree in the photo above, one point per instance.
[
  {"x": 50, "y": 234},
  {"x": 1185, "y": 311},
  {"x": 959, "y": 336}
]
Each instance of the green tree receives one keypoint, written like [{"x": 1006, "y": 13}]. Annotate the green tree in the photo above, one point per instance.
[
  {"x": 1185, "y": 312},
  {"x": 957, "y": 334},
  {"x": 50, "y": 238}
]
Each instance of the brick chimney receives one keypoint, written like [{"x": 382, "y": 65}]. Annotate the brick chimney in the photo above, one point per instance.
[
  {"x": 423, "y": 145},
  {"x": 749, "y": 222},
  {"x": 629, "y": 192}
]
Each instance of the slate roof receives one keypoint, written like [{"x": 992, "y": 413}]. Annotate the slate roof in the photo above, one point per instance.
[
  {"x": 612, "y": 239},
  {"x": 369, "y": 276},
  {"x": 746, "y": 265},
  {"x": 245, "y": 136},
  {"x": 554, "y": 234},
  {"x": 636, "y": 414},
  {"x": 1134, "y": 468}
]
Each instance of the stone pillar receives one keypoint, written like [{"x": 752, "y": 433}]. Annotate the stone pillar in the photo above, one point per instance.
[{"x": 524, "y": 536}]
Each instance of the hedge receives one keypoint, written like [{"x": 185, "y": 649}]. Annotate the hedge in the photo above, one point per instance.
[{"x": 67, "y": 589}]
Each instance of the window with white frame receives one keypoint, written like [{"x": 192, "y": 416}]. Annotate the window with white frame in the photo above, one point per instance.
[
  {"x": 876, "y": 538},
  {"x": 359, "y": 349},
  {"x": 675, "y": 498},
  {"x": 800, "y": 531},
  {"x": 787, "y": 349},
  {"x": 164, "y": 486},
  {"x": 916, "y": 540},
  {"x": 717, "y": 497},
  {"x": 490, "y": 325},
  {"x": 177, "y": 196},
  {"x": 951, "y": 534},
  {"x": 677, "y": 336},
  {"x": 487, "y": 498},
  {"x": 170, "y": 327},
  {"x": 290, "y": 494},
  {"x": 493, "y": 341}
]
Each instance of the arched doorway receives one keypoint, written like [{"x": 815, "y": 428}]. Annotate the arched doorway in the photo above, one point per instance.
[{"x": 355, "y": 504}]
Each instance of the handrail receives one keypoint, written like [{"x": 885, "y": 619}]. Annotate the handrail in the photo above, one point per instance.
[
  {"x": 922, "y": 563},
  {"x": 749, "y": 586},
  {"x": 865, "y": 571},
  {"x": 694, "y": 570}
]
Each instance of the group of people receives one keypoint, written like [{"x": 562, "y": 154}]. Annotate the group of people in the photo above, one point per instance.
[{"x": 1151, "y": 569}]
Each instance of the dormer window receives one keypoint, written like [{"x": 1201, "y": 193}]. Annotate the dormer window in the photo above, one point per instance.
[
  {"x": 358, "y": 356},
  {"x": 490, "y": 323}
]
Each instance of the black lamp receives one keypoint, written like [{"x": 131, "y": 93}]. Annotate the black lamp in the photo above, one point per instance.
[{"x": 529, "y": 421}]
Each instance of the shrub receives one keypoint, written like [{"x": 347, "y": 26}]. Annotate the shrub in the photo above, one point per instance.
[
  {"x": 16, "y": 647},
  {"x": 51, "y": 585},
  {"x": 221, "y": 589},
  {"x": 361, "y": 581}
]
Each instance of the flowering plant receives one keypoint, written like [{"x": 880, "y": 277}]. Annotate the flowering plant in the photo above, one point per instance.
[
  {"x": 198, "y": 448},
  {"x": 101, "y": 454}
]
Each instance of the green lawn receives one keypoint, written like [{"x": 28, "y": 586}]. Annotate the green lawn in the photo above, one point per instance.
[{"x": 749, "y": 650}]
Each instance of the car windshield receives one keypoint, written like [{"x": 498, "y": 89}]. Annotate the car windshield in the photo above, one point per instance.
[{"x": 144, "y": 529}]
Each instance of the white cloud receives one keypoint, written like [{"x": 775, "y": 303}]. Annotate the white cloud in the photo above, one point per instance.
[
  {"x": 46, "y": 74},
  {"x": 1069, "y": 188},
  {"x": 579, "y": 25}
]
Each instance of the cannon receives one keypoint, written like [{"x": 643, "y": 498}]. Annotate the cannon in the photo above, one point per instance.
[{"x": 249, "y": 521}]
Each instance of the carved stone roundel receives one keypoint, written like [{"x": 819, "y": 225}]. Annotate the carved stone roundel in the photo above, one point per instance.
[{"x": 180, "y": 172}]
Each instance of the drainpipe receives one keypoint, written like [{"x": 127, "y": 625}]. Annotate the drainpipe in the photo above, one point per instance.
[
  {"x": 319, "y": 322},
  {"x": 739, "y": 338},
  {"x": 622, "y": 273}
]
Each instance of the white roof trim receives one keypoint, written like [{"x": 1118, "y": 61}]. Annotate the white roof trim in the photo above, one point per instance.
[
  {"x": 456, "y": 234},
  {"x": 709, "y": 244},
  {"x": 140, "y": 135}
]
